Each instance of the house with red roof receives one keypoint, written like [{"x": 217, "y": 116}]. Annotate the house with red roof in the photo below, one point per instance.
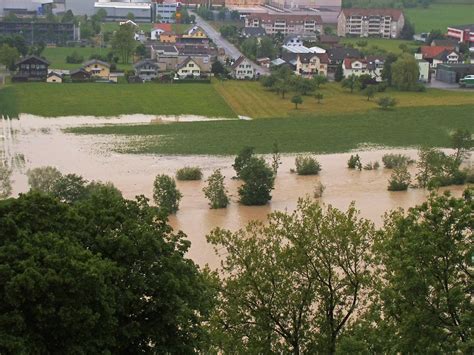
[
  {"x": 371, "y": 65},
  {"x": 385, "y": 23},
  {"x": 439, "y": 55},
  {"x": 159, "y": 29}
]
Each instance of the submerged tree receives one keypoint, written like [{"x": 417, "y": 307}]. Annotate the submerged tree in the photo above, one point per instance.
[
  {"x": 5, "y": 181},
  {"x": 293, "y": 284},
  {"x": 258, "y": 183},
  {"x": 215, "y": 190},
  {"x": 166, "y": 195}
]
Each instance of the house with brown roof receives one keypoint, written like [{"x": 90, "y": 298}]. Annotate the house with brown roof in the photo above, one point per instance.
[
  {"x": 188, "y": 68},
  {"x": 385, "y": 23},
  {"x": 438, "y": 55},
  {"x": 243, "y": 69},
  {"x": 31, "y": 68},
  {"x": 286, "y": 23},
  {"x": 307, "y": 65},
  {"x": 98, "y": 68}
]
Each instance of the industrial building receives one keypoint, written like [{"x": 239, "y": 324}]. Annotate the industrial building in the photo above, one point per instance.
[
  {"x": 47, "y": 32},
  {"x": 119, "y": 10}
]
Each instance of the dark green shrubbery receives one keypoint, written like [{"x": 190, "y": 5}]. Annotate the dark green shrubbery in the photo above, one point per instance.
[
  {"x": 258, "y": 181},
  {"x": 354, "y": 162},
  {"x": 307, "y": 165},
  {"x": 391, "y": 161},
  {"x": 189, "y": 173},
  {"x": 400, "y": 179}
]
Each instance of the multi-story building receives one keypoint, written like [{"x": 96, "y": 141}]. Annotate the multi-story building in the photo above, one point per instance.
[
  {"x": 165, "y": 12},
  {"x": 242, "y": 69},
  {"x": 385, "y": 23},
  {"x": 48, "y": 32},
  {"x": 118, "y": 10},
  {"x": 464, "y": 34},
  {"x": 286, "y": 23},
  {"x": 372, "y": 66}
]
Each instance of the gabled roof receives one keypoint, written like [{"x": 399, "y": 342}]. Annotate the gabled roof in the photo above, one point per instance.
[
  {"x": 339, "y": 53},
  {"x": 328, "y": 39},
  {"x": 80, "y": 70},
  {"x": 369, "y": 62},
  {"x": 53, "y": 73},
  {"x": 254, "y": 31},
  {"x": 444, "y": 43},
  {"x": 443, "y": 56},
  {"x": 393, "y": 13},
  {"x": 167, "y": 48},
  {"x": 163, "y": 26},
  {"x": 96, "y": 61},
  {"x": 289, "y": 18},
  {"x": 185, "y": 62},
  {"x": 30, "y": 57},
  {"x": 145, "y": 62},
  {"x": 431, "y": 52},
  {"x": 238, "y": 62}
]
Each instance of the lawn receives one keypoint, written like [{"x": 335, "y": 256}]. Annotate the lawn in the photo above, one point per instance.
[
  {"x": 390, "y": 45},
  {"x": 57, "y": 56},
  {"x": 440, "y": 16},
  {"x": 405, "y": 127},
  {"x": 113, "y": 26},
  {"x": 52, "y": 100},
  {"x": 249, "y": 98}
]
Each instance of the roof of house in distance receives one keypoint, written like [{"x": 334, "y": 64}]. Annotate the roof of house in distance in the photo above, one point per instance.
[
  {"x": 163, "y": 26},
  {"x": 463, "y": 27},
  {"x": 394, "y": 13},
  {"x": 430, "y": 52}
]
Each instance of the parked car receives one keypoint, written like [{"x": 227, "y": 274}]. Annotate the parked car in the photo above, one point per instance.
[{"x": 467, "y": 81}]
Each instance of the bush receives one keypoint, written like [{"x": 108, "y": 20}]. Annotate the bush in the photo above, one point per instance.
[
  {"x": 307, "y": 165},
  {"x": 74, "y": 58},
  {"x": 354, "y": 162},
  {"x": 386, "y": 102},
  {"x": 258, "y": 181},
  {"x": 319, "y": 190},
  {"x": 43, "y": 179},
  {"x": 469, "y": 175},
  {"x": 391, "y": 161},
  {"x": 372, "y": 166},
  {"x": 5, "y": 181},
  {"x": 436, "y": 169},
  {"x": 400, "y": 179},
  {"x": 166, "y": 195},
  {"x": 215, "y": 190},
  {"x": 189, "y": 173}
]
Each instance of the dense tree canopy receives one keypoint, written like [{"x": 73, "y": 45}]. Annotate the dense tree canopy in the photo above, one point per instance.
[{"x": 102, "y": 274}]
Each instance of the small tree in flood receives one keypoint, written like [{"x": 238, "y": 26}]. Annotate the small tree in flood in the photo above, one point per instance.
[
  {"x": 276, "y": 158},
  {"x": 166, "y": 195},
  {"x": 215, "y": 190},
  {"x": 242, "y": 159},
  {"x": 5, "y": 181},
  {"x": 258, "y": 183},
  {"x": 400, "y": 179}
]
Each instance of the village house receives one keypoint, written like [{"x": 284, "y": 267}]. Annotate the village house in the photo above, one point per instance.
[
  {"x": 286, "y": 23},
  {"x": 462, "y": 34},
  {"x": 54, "y": 77},
  {"x": 146, "y": 70},
  {"x": 31, "y": 68},
  {"x": 424, "y": 69},
  {"x": 168, "y": 37},
  {"x": 242, "y": 69},
  {"x": 306, "y": 64},
  {"x": 158, "y": 29},
  {"x": 188, "y": 68},
  {"x": 97, "y": 68},
  {"x": 80, "y": 75},
  {"x": 385, "y": 23},
  {"x": 372, "y": 66},
  {"x": 438, "y": 55}
]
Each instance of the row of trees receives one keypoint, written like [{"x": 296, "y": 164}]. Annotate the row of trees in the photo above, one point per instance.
[{"x": 99, "y": 273}]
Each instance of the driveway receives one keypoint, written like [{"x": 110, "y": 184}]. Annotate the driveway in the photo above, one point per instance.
[
  {"x": 231, "y": 50},
  {"x": 435, "y": 84}
]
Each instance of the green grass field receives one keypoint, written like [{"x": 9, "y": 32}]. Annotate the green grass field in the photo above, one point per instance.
[
  {"x": 440, "y": 16},
  {"x": 113, "y": 26},
  {"x": 52, "y": 100},
  {"x": 390, "y": 45},
  {"x": 325, "y": 134},
  {"x": 57, "y": 56},
  {"x": 251, "y": 99}
]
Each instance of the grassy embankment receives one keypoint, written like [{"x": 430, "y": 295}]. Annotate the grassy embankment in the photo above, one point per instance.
[
  {"x": 51, "y": 100},
  {"x": 402, "y": 127}
]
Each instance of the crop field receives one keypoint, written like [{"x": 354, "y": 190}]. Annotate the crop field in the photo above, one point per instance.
[
  {"x": 98, "y": 99},
  {"x": 403, "y": 127}
]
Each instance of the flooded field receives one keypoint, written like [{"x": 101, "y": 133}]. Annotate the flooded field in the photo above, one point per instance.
[{"x": 39, "y": 142}]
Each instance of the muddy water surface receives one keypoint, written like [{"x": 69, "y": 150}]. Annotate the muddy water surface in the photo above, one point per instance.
[{"x": 42, "y": 142}]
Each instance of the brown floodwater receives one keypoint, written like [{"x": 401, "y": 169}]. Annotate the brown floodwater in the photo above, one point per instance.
[{"x": 42, "y": 142}]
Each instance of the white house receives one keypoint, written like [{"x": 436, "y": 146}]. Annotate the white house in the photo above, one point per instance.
[
  {"x": 54, "y": 77},
  {"x": 370, "y": 66},
  {"x": 189, "y": 67},
  {"x": 243, "y": 69},
  {"x": 424, "y": 68}
]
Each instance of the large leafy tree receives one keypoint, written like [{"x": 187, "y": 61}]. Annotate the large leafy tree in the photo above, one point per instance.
[
  {"x": 405, "y": 72},
  {"x": 100, "y": 274},
  {"x": 123, "y": 42},
  {"x": 427, "y": 276},
  {"x": 292, "y": 285}
]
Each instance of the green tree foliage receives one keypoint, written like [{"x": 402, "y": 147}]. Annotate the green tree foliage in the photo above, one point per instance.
[
  {"x": 400, "y": 179},
  {"x": 354, "y": 162},
  {"x": 387, "y": 68},
  {"x": 302, "y": 85},
  {"x": 391, "y": 161},
  {"x": 297, "y": 100},
  {"x": 386, "y": 102},
  {"x": 462, "y": 143},
  {"x": 74, "y": 58},
  {"x": 123, "y": 42},
  {"x": 228, "y": 31},
  {"x": 351, "y": 83},
  {"x": 205, "y": 13},
  {"x": 5, "y": 181},
  {"x": 318, "y": 96},
  {"x": 166, "y": 195},
  {"x": 408, "y": 30},
  {"x": 266, "y": 48},
  {"x": 43, "y": 179},
  {"x": 242, "y": 159},
  {"x": 215, "y": 190},
  {"x": 319, "y": 80},
  {"x": 405, "y": 73},
  {"x": 9, "y": 56},
  {"x": 102, "y": 275},
  {"x": 189, "y": 173},
  {"x": 276, "y": 158},
  {"x": 370, "y": 92},
  {"x": 339, "y": 74},
  {"x": 427, "y": 276},
  {"x": 249, "y": 47},
  {"x": 15, "y": 41},
  {"x": 292, "y": 285},
  {"x": 258, "y": 182},
  {"x": 68, "y": 17},
  {"x": 307, "y": 165}
]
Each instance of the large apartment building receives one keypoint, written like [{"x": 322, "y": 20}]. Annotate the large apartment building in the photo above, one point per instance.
[
  {"x": 385, "y": 23},
  {"x": 305, "y": 25}
]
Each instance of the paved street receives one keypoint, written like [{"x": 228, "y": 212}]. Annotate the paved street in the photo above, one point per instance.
[{"x": 221, "y": 42}]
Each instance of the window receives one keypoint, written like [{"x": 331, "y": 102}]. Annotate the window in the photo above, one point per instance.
[{"x": 191, "y": 65}]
